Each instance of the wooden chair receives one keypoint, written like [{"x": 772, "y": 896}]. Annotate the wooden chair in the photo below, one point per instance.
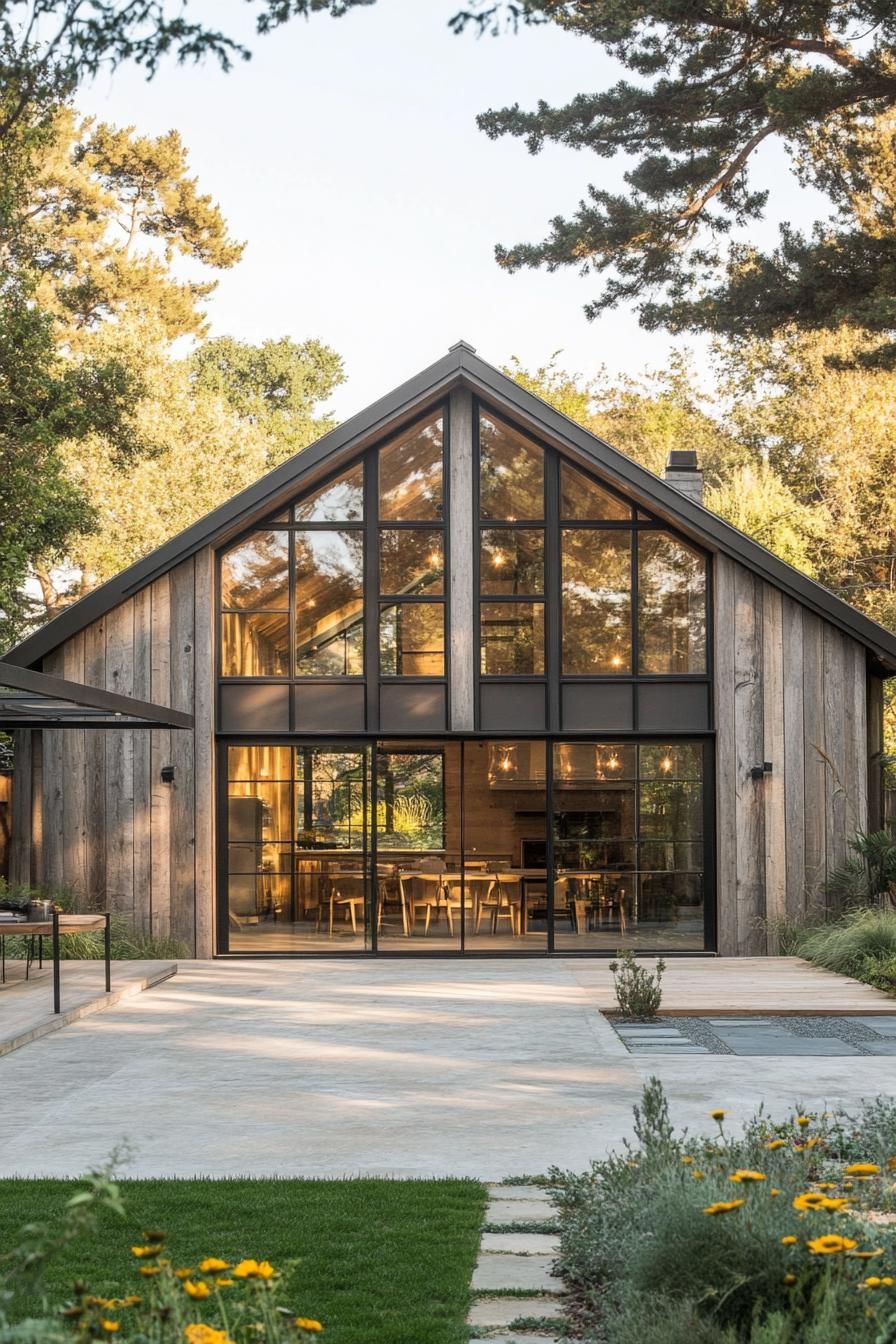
[
  {"x": 426, "y": 895},
  {"x": 503, "y": 905}
]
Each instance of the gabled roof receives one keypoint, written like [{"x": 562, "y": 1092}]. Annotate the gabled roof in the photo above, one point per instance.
[{"x": 460, "y": 367}]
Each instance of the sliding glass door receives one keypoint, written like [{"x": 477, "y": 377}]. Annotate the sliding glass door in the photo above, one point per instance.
[{"x": 482, "y": 846}]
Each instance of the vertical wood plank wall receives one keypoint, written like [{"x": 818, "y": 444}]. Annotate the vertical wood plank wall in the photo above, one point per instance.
[
  {"x": 792, "y": 690},
  {"x": 111, "y": 830}
]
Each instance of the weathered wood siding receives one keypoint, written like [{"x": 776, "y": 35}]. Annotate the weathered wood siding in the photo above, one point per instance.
[
  {"x": 104, "y": 825},
  {"x": 792, "y": 690}
]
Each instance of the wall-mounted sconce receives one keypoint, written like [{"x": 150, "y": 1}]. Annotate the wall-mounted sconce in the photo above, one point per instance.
[
  {"x": 760, "y": 771},
  {"x": 167, "y": 774}
]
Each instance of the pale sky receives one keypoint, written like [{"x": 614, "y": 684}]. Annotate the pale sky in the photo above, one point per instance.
[{"x": 346, "y": 154}]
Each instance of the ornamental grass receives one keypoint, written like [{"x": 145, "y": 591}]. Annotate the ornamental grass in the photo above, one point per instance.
[{"x": 775, "y": 1234}]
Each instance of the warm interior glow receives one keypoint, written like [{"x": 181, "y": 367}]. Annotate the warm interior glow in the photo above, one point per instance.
[{"x": 666, "y": 764}]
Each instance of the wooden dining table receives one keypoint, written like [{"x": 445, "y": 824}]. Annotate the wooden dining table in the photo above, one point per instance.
[{"x": 56, "y": 927}]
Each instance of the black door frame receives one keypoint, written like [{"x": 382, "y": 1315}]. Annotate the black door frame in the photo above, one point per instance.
[{"x": 368, "y": 746}]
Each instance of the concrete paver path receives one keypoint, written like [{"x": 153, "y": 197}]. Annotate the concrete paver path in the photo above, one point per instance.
[{"x": 406, "y": 1068}]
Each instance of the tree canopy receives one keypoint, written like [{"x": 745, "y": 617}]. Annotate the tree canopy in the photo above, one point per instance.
[{"x": 709, "y": 84}]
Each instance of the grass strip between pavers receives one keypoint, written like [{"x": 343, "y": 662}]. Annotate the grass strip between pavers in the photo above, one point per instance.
[{"x": 380, "y": 1261}]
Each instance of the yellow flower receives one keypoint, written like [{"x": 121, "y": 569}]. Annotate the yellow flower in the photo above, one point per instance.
[
  {"x": 224, "y": 1283},
  {"x": 742, "y": 1177},
  {"x": 110, "y": 1326},
  {"x": 789, "y": 1279},
  {"x": 825, "y": 1185},
  {"x": 724, "y": 1206},
  {"x": 788, "y": 1241},
  {"x": 212, "y": 1265},
  {"x": 142, "y": 1252},
  {"x": 305, "y": 1323},
  {"x": 254, "y": 1269},
  {"x": 813, "y": 1142},
  {"x": 184, "y": 1273},
  {"x": 776, "y": 1143},
  {"x": 865, "y": 1255},
  {"x": 872, "y": 1282},
  {"x": 687, "y": 1161},
  {"x": 862, "y": 1169},
  {"x": 198, "y": 1333},
  {"x": 888, "y": 1281},
  {"x": 812, "y": 1199},
  {"x": 698, "y": 1175},
  {"x": 803, "y": 1121},
  {"x": 148, "y": 1270},
  {"x": 774, "y": 1190},
  {"x": 717, "y": 1115},
  {"x": 830, "y": 1245},
  {"x": 196, "y": 1289}
]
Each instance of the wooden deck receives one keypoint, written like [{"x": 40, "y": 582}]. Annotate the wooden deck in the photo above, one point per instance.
[{"x": 744, "y": 986}]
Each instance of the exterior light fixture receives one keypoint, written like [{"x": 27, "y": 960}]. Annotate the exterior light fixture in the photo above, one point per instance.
[
  {"x": 166, "y": 774},
  {"x": 760, "y": 771}
]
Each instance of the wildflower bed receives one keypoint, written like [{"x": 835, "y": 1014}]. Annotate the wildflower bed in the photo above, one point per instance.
[
  {"x": 785, "y": 1234},
  {"x": 373, "y": 1261}
]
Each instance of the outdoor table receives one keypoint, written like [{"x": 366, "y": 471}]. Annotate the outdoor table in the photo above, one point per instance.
[{"x": 56, "y": 927}]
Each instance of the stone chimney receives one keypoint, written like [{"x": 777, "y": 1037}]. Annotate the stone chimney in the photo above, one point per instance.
[{"x": 682, "y": 472}]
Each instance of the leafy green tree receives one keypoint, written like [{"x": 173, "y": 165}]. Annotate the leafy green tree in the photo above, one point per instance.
[
  {"x": 207, "y": 427},
  {"x": 710, "y": 83},
  {"x": 108, "y": 211},
  {"x": 276, "y": 385}
]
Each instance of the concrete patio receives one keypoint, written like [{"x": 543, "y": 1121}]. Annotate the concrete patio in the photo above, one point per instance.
[{"x": 408, "y": 1068}]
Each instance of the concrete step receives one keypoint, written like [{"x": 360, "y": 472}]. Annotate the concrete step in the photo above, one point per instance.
[{"x": 496, "y": 1313}]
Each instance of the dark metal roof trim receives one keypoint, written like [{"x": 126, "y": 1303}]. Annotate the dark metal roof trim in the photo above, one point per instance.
[
  {"x": 36, "y": 698},
  {"x": 462, "y": 365}
]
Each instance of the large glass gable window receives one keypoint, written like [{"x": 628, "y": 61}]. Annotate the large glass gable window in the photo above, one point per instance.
[
  {"x": 350, "y": 579},
  {"x": 631, "y": 596}
]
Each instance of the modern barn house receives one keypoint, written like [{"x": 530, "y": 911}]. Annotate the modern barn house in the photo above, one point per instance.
[{"x": 464, "y": 679}]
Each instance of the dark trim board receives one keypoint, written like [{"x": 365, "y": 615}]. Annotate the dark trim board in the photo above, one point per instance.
[
  {"x": 461, "y": 367},
  {"x": 42, "y": 701}
]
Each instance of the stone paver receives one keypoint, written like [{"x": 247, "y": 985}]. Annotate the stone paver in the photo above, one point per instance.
[
  {"x": 527, "y": 1338},
  {"x": 531, "y": 1193},
  {"x": 519, "y": 1210},
  {"x": 520, "y": 1243},
  {"x": 530, "y": 1273},
  {"x": 885, "y": 1026},
  {"x": 493, "y": 1313}
]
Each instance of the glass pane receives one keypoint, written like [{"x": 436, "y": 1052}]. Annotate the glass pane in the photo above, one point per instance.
[
  {"x": 511, "y": 639},
  {"x": 255, "y": 574},
  {"x": 412, "y": 640},
  {"x": 342, "y": 501},
  {"x": 255, "y": 645},
  {"x": 581, "y": 498},
  {"x": 672, "y": 811},
  {"x": 261, "y": 762},
  {"x": 329, "y": 603},
  {"x": 505, "y": 846},
  {"x": 418, "y": 847},
  {"x": 512, "y": 560},
  {"x": 671, "y": 605},
  {"x": 411, "y": 474},
  {"x": 596, "y": 602},
  {"x": 511, "y": 473},
  {"x": 333, "y": 815},
  {"x": 411, "y": 562},
  {"x": 676, "y": 760}
]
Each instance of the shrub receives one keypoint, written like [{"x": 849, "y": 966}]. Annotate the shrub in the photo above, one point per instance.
[
  {"x": 760, "y": 1238},
  {"x": 849, "y": 943},
  {"x": 638, "y": 991},
  {"x": 867, "y": 874},
  {"x": 212, "y": 1302}
]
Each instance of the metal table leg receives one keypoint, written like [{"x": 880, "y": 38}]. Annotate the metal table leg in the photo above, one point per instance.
[
  {"x": 56, "y": 987},
  {"x": 107, "y": 947}
]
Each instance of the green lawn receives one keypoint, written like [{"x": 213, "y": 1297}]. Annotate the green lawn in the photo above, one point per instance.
[{"x": 381, "y": 1262}]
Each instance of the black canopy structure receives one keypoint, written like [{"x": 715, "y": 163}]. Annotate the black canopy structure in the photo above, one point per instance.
[{"x": 34, "y": 700}]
